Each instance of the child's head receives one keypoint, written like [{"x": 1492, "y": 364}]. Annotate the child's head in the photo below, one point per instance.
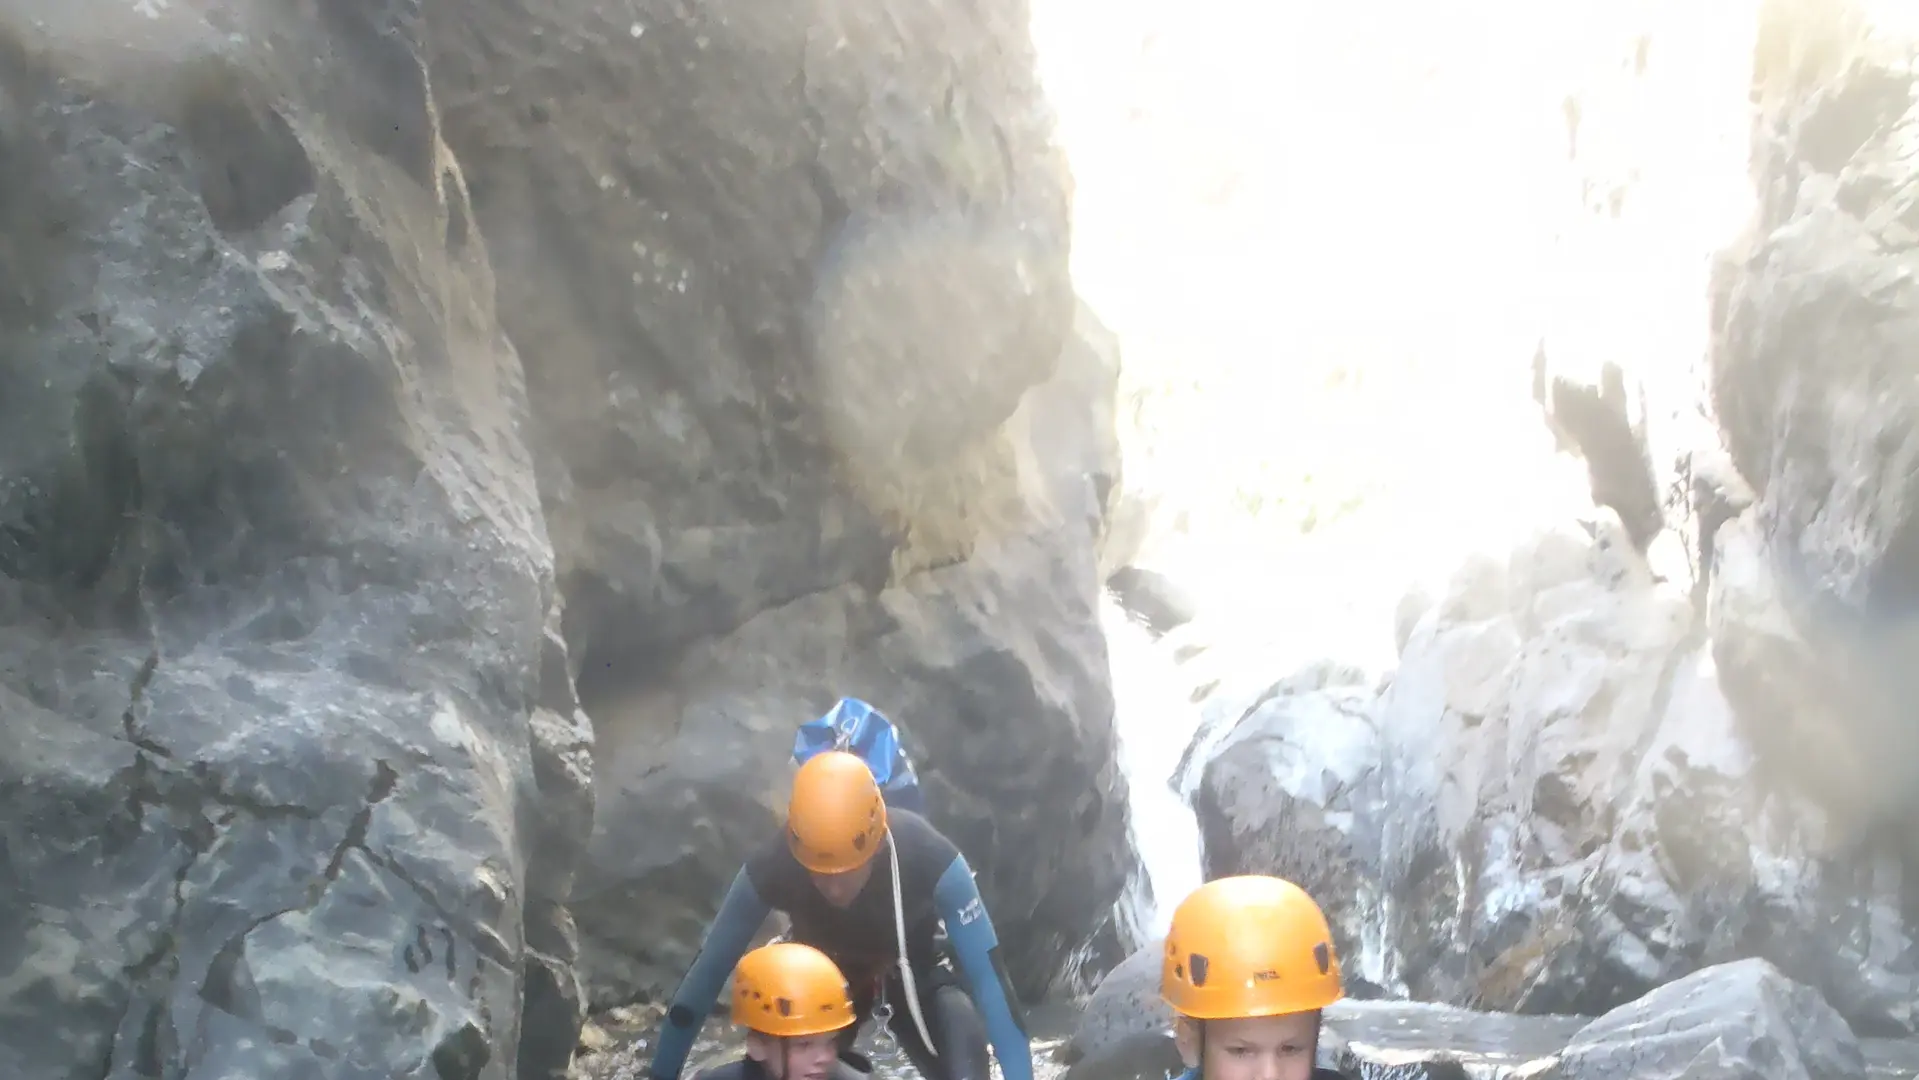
[
  {"x": 1249, "y": 964},
  {"x": 793, "y": 1002}
]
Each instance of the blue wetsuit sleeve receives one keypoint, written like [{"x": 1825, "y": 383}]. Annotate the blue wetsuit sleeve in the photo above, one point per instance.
[
  {"x": 969, "y": 929},
  {"x": 739, "y": 918}
]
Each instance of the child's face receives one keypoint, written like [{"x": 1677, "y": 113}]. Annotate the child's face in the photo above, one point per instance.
[
  {"x": 1253, "y": 1048},
  {"x": 806, "y": 1057}
]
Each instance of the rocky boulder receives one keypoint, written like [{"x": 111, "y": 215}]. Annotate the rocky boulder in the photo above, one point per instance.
[
  {"x": 1552, "y": 807},
  {"x": 1737, "y": 1020},
  {"x": 292, "y": 779},
  {"x": 1124, "y": 1033},
  {"x": 1592, "y": 773},
  {"x": 386, "y": 389},
  {"x": 1283, "y": 788},
  {"x": 997, "y": 672},
  {"x": 1811, "y": 382},
  {"x": 814, "y": 419}
]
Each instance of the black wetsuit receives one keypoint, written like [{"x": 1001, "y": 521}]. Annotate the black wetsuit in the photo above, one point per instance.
[{"x": 963, "y": 1009}]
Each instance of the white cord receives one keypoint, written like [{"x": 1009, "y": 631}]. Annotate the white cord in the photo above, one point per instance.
[{"x": 906, "y": 966}]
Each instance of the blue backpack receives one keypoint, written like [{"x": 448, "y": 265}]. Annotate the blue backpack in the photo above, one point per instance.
[{"x": 858, "y": 728}]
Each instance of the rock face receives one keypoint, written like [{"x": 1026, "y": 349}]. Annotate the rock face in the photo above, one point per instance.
[
  {"x": 1124, "y": 1033},
  {"x": 1552, "y": 807},
  {"x": 791, "y": 341},
  {"x": 1587, "y": 777},
  {"x": 996, "y": 670},
  {"x": 1742, "y": 1019},
  {"x": 855, "y": 446},
  {"x": 1284, "y": 780},
  {"x": 289, "y": 790},
  {"x": 1811, "y": 381},
  {"x": 387, "y": 389},
  {"x": 1736, "y": 1021}
]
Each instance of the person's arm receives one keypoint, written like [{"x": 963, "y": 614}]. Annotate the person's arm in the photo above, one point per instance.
[
  {"x": 739, "y": 918},
  {"x": 969, "y": 930}
]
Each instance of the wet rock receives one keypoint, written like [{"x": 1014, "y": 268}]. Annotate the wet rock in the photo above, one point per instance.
[
  {"x": 1124, "y": 1033},
  {"x": 1284, "y": 787},
  {"x": 1553, "y": 807},
  {"x": 1736, "y": 1020},
  {"x": 1739, "y": 1015},
  {"x": 1402, "y": 1040},
  {"x": 1152, "y": 598},
  {"x": 1595, "y": 775},
  {"x": 1891, "y": 1059}
]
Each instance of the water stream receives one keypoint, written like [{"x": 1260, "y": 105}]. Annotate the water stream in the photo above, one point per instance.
[{"x": 1155, "y": 720}]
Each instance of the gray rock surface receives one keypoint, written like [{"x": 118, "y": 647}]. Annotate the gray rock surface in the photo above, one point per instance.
[
  {"x": 386, "y": 389},
  {"x": 1553, "y": 807},
  {"x": 1739, "y": 1021},
  {"x": 1745, "y": 1020},
  {"x": 1811, "y": 380},
  {"x": 1124, "y": 1033},
  {"x": 272, "y": 585},
  {"x": 994, "y": 666},
  {"x": 1592, "y": 774},
  {"x": 814, "y": 419}
]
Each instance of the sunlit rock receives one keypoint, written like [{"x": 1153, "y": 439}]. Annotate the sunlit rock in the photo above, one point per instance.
[
  {"x": 1735, "y": 1020},
  {"x": 1812, "y": 378},
  {"x": 1553, "y": 807}
]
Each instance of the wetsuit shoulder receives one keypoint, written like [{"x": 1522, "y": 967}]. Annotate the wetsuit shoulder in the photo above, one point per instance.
[
  {"x": 924, "y": 851},
  {"x": 777, "y": 875}
]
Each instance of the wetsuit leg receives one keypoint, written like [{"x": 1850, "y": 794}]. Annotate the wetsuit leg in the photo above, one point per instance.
[
  {"x": 959, "y": 1034},
  {"x": 865, "y": 998}
]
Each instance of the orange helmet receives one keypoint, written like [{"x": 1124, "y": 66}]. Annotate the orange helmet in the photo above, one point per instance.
[
  {"x": 1248, "y": 946},
  {"x": 837, "y": 817},
  {"x": 787, "y": 989}
]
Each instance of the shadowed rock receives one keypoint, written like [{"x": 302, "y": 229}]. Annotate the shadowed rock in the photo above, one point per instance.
[{"x": 302, "y": 560}]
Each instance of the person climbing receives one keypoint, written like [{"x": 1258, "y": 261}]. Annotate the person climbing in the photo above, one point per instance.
[
  {"x": 868, "y": 887},
  {"x": 1248, "y": 967},
  {"x": 793, "y": 1002}
]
